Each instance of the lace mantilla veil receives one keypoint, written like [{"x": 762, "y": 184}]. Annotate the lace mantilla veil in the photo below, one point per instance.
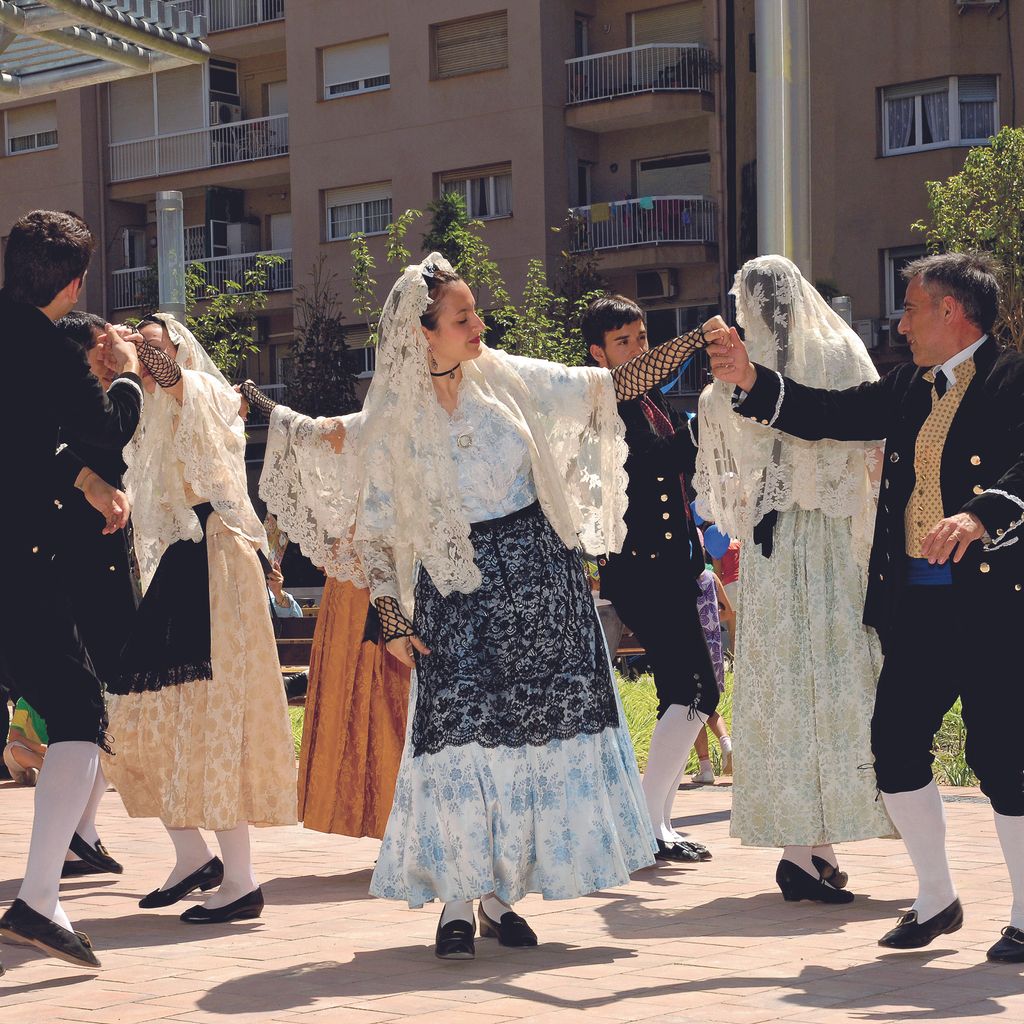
[
  {"x": 746, "y": 469},
  {"x": 197, "y": 446},
  {"x": 391, "y": 498}
]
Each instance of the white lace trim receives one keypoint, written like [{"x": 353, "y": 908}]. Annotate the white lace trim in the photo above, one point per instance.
[
  {"x": 778, "y": 401},
  {"x": 132, "y": 384},
  {"x": 689, "y": 429},
  {"x": 1005, "y": 540}
]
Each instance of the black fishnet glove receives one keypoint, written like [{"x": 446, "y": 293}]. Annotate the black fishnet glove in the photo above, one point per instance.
[
  {"x": 653, "y": 367},
  {"x": 257, "y": 399},
  {"x": 162, "y": 368},
  {"x": 393, "y": 623}
]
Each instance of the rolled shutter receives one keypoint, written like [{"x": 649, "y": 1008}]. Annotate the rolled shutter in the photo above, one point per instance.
[{"x": 473, "y": 44}]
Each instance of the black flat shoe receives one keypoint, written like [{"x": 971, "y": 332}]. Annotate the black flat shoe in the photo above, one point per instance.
[
  {"x": 78, "y": 868},
  {"x": 26, "y": 927},
  {"x": 703, "y": 853},
  {"x": 675, "y": 852},
  {"x": 836, "y": 878},
  {"x": 910, "y": 934},
  {"x": 511, "y": 930},
  {"x": 243, "y": 909},
  {"x": 454, "y": 940},
  {"x": 797, "y": 885},
  {"x": 209, "y": 876},
  {"x": 1010, "y": 948},
  {"x": 96, "y": 855}
]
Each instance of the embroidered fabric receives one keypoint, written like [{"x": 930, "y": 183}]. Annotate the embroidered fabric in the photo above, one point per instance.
[
  {"x": 393, "y": 623},
  {"x": 653, "y": 367},
  {"x": 164, "y": 370},
  {"x": 746, "y": 470},
  {"x": 257, "y": 399},
  {"x": 182, "y": 455}
]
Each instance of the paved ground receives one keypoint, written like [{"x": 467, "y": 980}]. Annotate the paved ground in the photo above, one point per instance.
[{"x": 708, "y": 943}]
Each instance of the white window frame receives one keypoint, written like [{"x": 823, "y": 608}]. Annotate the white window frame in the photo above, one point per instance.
[
  {"x": 955, "y": 139},
  {"x": 379, "y": 82},
  {"x": 467, "y": 180},
  {"x": 898, "y": 252},
  {"x": 37, "y": 148},
  {"x": 329, "y": 233}
]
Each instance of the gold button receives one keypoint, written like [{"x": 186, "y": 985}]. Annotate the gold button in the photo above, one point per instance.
[
  {"x": 999, "y": 533},
  {"x": 895, "y": 457},
  {"x": 1016, "y": 586},
  {"x": 654, "y": 556},
  {"x": 978, "y": 489},
  {"x": 57, "y": 503},
  {"x": 887, "y": 485},
  {"x": 661, "y": 479},
  {"x": 666, "y": 515},
  {"x": 633, "y": 553},
  {"x": 112, "y": 568},
  {"x": 881, "y": 577},
  {"x": 668, "y": 536},
  {"x": 984, "y": 567},
  {"x": 975, "y": 460},
  {"x": 664, "y": 497},
  {"x": 765, "y": 422},
  {"x": 35, "y": 549}
]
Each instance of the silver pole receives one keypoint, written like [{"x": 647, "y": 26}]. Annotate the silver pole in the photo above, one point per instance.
[
  {"x": 783, "y": 131},
  {"x": 170, "y": 235}
]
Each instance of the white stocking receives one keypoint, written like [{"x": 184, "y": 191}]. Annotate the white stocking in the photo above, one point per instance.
[
  {"x": 666, "y": 817},
  {"x": 801, "y": 857},
  {"x": 493, "y": 907},
  {"x": 921, "y": 821},
  {"x": 457, "y": 910},
  {"x": 190, "y": 853},
  {"x": 62, "y": 792},
  {"x": 1011, "y": 838},
  {"x": 87, "y": 826},
  {"x": 239, "y": 879},
  {"x": 671, "y": 741}
]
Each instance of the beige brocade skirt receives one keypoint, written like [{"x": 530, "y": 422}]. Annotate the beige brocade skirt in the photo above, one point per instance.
[{"x": 213, "y": 753}]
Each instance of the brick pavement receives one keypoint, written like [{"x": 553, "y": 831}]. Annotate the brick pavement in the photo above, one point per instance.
[{"x": 708, "y": 943}]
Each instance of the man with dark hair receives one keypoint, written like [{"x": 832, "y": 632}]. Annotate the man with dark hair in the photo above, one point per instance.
[
  {"x": 945, "y": 552},
  {"x": 652, "y": 583},
  {"x": 45, "y": 262}
]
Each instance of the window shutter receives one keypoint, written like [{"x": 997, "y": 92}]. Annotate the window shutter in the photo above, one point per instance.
[
  {"x": 353, "y": 62},
  {"x": 676, "y": 23},
  {"x": 131, "y": 109},
  {"x": 902, "y": 92},
  {"x": 358, "y": 194},
  {"x": 977, "y": 88},
  {"x": 34, "y": 120},
  {"x": 473, "y": 44}
]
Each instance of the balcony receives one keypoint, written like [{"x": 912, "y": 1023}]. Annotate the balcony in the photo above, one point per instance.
[
  {"x": 260, "y": 138},
  {"x": 224, "y": 15},
  {"x": 132, "y": 287},
  {"x": 639, "y": 86},
  {"x": 648, "y": 221}
]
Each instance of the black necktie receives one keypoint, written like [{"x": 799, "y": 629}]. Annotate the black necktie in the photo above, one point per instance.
[{"x": 940, "y": 383}]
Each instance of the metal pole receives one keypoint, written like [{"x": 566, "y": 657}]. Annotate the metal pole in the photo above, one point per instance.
[
  {"x": 783, "y": 131},
  {"x": 170, "y": 236}
]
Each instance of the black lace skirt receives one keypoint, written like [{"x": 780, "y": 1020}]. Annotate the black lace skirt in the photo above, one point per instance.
[
  {"x": 521, "y": 660},
  {"x": 170, "y": 639}
]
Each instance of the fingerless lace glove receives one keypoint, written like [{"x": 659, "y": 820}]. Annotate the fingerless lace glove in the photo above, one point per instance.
[
  {"x": 393, "y": 622},
  {"x": 653, "y": 367},
  {"x": 162, "y": 368},
  {"x": 257, "y": 399}
]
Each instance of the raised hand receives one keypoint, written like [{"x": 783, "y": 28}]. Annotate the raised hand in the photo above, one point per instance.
[
  {"x": 120, "y": 350},
  {"x": 729, "y": 360}
]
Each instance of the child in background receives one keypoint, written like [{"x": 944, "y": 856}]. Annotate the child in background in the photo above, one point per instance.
[{"x": 26, "y": 744}]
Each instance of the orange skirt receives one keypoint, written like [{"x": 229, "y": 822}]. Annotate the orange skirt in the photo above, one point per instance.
[{"x": 354, "y": 727}]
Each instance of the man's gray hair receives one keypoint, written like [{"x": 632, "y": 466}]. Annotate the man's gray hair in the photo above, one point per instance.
[{"x": 968, "y": 277}]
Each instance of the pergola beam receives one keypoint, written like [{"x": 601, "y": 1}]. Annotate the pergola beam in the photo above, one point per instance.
[{"x": 46, "y": 83}]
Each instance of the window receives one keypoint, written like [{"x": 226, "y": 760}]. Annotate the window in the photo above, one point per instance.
[
  {"x": 31, "y": 128},
  {"x": 353, "y": 68},
  {"x": 674, "y": 23},
  {"x": 488, "y": 192},
  {"x": 688, "y": 174},
  {"x": 943, "y": 112},
  {"x": 469, "y": 45},
  {"x": 360, "y": 208},
  {"x": 895, "y": 286}
]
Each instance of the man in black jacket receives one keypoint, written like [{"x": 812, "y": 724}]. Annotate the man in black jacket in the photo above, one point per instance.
[
  {"x": 945, "y": 562},
  {"x": 58, "y": 401},
  {"x": 653, "y": 582}
]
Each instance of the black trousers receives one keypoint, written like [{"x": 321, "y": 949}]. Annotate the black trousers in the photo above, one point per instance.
[
  {"x": 938, "y": 649},
  {"x": 657, "y": 599}
]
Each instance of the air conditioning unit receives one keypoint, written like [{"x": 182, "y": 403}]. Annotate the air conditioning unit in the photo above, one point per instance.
[
  {"x": 656, "y": 284},
  {"x": 224, "y": 113},
  {"x": 867, "y": 331}
]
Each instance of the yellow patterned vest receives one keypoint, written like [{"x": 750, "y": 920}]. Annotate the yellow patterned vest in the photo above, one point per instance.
[{"x": 925, "y": 509}]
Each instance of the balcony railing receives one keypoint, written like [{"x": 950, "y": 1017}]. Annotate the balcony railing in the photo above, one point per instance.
[
  {"x": 276, "y": 393},
  {"x": 222, "y": 15},
  {"x": 134, "y": 286},
  {"x": 693, "y": 377},
  {"x": 239, "y": 142},
  {"x": 654, "y": 67},
  {"x": 650, "y": 220}
]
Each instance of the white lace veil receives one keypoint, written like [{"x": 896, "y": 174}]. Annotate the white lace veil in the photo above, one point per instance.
[
  {"x": 188, "y": 453},
  {"x": 746, "y": 469}
]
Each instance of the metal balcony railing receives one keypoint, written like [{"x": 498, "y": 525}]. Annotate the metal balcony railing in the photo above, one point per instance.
[
  {"x": 650, "y": 220},
  {"x": 132, "y": 286},
  {"x": 693, "y": 378},
  {"x": 654, "y": 67},
  {"x": 222, "y": 15},
  {"x": 239, "y": 142}
]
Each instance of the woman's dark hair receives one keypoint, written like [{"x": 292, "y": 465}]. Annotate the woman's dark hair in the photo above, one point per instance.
[
  {"x": 436, "y": 281},
  {"x": 78, "y": 326},
  {"x": 968, "y": 277},
  {"x": 46, "y": 251},
  {"x": 608, "y": 313}
]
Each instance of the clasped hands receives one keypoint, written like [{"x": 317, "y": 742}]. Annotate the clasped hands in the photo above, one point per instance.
[
  {"x": 728, "y": 355},
  {"x": 119, "y": 345}
]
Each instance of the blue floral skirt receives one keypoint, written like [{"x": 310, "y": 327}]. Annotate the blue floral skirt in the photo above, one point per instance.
[{"x": 518, "y": 773}]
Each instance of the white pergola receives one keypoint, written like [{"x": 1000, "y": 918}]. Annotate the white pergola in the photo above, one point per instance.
[{"x": 48, "y": 46}]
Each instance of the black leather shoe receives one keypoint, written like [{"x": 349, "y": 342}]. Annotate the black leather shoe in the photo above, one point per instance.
[
  {"x": 797, "y": 885},
  {"x": 836, "y": 878},
  {"x": 209, "y": 876},
  {"x": 511, "y": 930},
  {"x": 243, "y": 909},
  {"x": 703, "y": 853},
  {"x": 26, "y": 927},
  {"x": 676, "y": 852},
  {"x": 910, "y": 934},
  {"x": 96, "y": 855},
  {"x": 454, "y": 940},
  {"x": 78, "y": 868},
  {"x": 1010, "y": 948}
]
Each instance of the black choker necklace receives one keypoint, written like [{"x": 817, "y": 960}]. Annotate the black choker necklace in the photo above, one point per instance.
[{"x": 446, "y": 373}]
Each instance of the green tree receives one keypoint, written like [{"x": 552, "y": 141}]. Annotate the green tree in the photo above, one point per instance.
[
  {"x": 981, "y": 209},
  {"x": 322, "y": 379}
]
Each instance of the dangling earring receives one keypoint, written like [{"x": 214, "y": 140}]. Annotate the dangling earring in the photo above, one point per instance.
[{"x": 433, "y": 361}]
